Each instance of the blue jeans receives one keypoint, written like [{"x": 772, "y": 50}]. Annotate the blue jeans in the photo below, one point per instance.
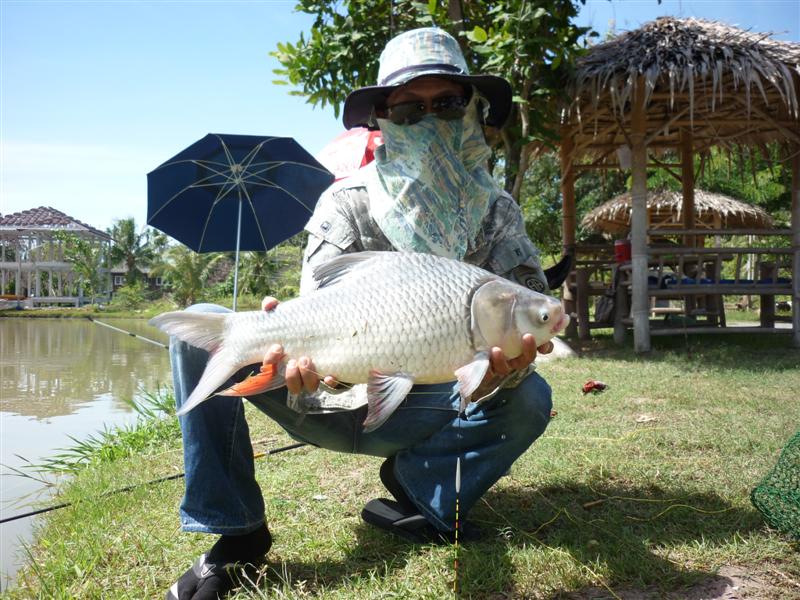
[{"x": 426, "y": 434}]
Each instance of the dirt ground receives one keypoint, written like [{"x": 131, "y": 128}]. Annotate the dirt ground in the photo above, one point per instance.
[{"x": 730, "y": 583}]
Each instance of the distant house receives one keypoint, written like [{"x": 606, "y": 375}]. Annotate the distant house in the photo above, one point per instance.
[
  {"x": 32, "y": 264},
  {"x": 119, "y": 277}
]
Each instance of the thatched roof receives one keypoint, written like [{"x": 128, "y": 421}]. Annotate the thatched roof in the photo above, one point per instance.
[
  {"x": 664, "y": 209},
  {"x": 723, "y": 82}
]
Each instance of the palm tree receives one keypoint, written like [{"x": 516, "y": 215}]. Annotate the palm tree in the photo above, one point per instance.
[
  {"x": 263, "y": 273},
  {"x": 185, "y": 272},
  {"x": 131, "y": 248}
]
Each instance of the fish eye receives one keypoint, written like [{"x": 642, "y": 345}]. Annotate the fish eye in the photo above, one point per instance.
[{"x": 544, "y": 315}]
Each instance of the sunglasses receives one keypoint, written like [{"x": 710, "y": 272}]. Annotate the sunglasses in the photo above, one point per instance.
[{"x": 446, "y": 108}]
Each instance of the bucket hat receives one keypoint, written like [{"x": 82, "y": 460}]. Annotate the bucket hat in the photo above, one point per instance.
[{"x": 418, "y": 53}]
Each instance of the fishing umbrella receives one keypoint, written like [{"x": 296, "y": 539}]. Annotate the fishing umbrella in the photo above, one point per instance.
[
  {"x": 349, "y": 151},
  {"x": 235, "y": 192}
]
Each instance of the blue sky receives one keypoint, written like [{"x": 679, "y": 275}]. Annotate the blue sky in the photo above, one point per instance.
[{"x": 95, "y": 94}]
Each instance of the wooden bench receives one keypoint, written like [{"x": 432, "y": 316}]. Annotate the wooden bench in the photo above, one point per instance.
[{"x": 701, "y": 277}]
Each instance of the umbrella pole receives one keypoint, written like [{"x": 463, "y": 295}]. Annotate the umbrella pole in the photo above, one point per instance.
[{"x": 236, "y": 263}]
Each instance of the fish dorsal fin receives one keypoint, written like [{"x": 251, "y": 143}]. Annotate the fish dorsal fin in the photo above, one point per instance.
[
  {"x": 471, "y": 375},
  {"x": 332, "y": 271},
  {"x": 384, "y": 395}
]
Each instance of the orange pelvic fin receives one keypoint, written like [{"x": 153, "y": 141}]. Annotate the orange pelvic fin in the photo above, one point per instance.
[{"x": 254, "y": 384}]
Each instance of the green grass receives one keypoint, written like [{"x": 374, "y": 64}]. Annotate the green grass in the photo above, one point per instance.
[
  {"x": 146, "y": 311},
  {"x": 643, "y": 487}
]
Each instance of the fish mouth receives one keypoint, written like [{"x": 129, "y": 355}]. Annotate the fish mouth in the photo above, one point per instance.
[{"x": 561, "y": 324}]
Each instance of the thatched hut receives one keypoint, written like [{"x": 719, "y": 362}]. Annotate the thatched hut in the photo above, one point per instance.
[
  {"x": 665, "y": 211},
  {"x": 681, "y": 86}
]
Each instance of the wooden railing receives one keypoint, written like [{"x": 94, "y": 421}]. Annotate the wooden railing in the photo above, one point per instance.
[{"x": 697, "y": 278}]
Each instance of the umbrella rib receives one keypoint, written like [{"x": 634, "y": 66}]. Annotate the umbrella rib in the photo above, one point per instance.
[
  {"x": 227, "y": 152},
  {"x": 222, "y": 193},
  {"x": 251, "y": 156},
  {"x": 255, "y": 217},
  {"x": 196, "y": 184},
  {"x": 270, "y": 184},
  {"x": 280, "y": 163},
  {"x": 196, "y": 161}
]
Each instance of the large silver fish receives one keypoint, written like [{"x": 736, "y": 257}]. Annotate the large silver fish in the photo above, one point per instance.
[{"x": 388, "y": 319}]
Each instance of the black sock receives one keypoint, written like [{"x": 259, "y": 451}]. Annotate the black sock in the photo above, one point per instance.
[
  {"x": 395, "y": 489},
  {"x": 209, "y": 578},
  {"x": 241, "y": 548}
]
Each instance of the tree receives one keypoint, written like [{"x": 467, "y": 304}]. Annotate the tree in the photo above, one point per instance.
[
  {"x": 541, "y": 199},
  {"x": 87, "y": 259},
  {"x": 131, "y": 248},
  {"x": 265, "y": 273},
  {"x": 185, "y": 272},
  {"x": 532, "y": 44}
]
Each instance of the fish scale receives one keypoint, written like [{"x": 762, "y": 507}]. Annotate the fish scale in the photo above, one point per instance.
[
  {"x": 373, "y": 323},
  {"x": 388, "y": 319}
]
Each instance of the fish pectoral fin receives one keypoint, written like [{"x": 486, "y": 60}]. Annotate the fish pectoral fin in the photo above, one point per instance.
[
  {"x": 471, "y": 375},
  {"x": 384, "y": 395},
  {"x": 268, "y": 378}
]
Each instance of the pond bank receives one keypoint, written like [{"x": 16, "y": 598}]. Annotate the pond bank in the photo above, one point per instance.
[{"x": 643, "y": 488}]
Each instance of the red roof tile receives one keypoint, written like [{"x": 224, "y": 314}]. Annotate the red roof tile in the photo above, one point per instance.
[{"x": 46, "y": 217}]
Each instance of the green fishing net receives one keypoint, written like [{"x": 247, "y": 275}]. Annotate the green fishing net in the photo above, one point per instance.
[{"x": 777, "y": 497}]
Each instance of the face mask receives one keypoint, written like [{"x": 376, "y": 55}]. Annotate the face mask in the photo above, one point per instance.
[{"x": 430, "y": 188}]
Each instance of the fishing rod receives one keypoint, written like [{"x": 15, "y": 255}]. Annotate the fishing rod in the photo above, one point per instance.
[
  {"x": 129, "y": 488},
  {"x": 130, "y": 333}
]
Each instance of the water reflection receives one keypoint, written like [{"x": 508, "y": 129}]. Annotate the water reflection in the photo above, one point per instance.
[
  {"x": 62, "y": 378},
  {"x": 49, "y": 366}
]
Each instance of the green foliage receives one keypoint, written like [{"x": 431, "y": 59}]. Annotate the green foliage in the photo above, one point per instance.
[
  {"x": 540, "y": 199},
  {"x": 265, "y": 273},
  {"x": 531, "y": 44},
  {"x": 761, "y": 179},
  {"x": 185, "y": 273},
  {"x": 87, "y": 259},
  {"x": 133, "y": 249},
  {"x": 130, "y": 296}
]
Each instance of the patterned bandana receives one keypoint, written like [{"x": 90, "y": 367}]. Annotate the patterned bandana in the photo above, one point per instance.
[{"x": 430, "y": 189}]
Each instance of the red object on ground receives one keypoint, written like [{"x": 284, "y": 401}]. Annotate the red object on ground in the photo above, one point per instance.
[
  {"x": 350, "y": 151},
  {"x": 622, "y": 251},
  {"x": 595, "y": 386}
]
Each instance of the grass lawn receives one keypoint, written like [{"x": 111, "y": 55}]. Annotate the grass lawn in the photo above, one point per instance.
[{"x": 638, "y": 492}]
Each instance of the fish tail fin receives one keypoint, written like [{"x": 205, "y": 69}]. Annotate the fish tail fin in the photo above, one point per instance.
[
  {"x": 268, "y": 378},
  {"x": 201, "y": 329},
  {"x": 218, "y": 370}
]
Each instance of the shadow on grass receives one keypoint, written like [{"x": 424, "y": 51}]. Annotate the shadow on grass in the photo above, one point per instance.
[
  {"x": 625, "y": 532},
  {"x": 739, "y": 351}
]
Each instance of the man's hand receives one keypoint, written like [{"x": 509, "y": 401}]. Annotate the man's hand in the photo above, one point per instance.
[
  {"x": 500, "y": 365},
  {"x": 300, "y": 374}
]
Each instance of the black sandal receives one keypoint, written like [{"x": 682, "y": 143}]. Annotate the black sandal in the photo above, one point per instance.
[{"x": 391, "y": 516}]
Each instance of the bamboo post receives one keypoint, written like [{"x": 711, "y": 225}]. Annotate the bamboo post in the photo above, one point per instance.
[
  {"x": 620, "y": 311},
  {"x": 639, "y": 304},
  {"x": 796, "y": 246},
  {"x": 568, "y": 226},
  {"x": 582, "y": 301},
  {"x": 687, "y": 183},
  {"x": 687, "y": 188},
  {"x": 767, "y": 270}
]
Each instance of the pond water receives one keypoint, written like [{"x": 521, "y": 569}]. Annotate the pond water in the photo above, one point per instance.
[{"x": 63, "y": 378}]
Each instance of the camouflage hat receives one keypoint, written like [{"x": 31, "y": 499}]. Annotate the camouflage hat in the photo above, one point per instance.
[{"x": 424, "y": 52}]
